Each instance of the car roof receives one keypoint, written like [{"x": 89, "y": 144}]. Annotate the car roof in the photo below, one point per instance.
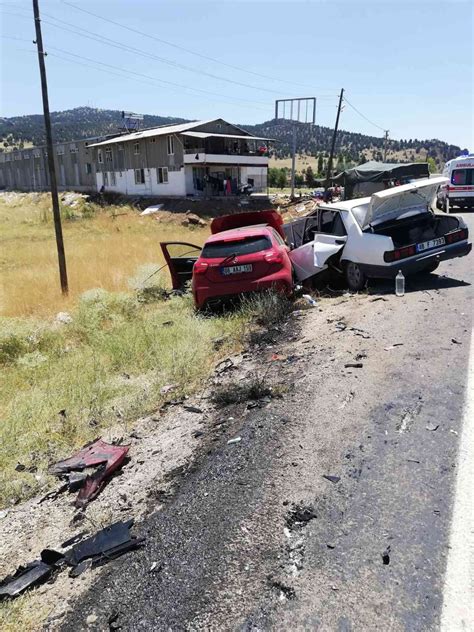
[{"x": 239, "y": 233}]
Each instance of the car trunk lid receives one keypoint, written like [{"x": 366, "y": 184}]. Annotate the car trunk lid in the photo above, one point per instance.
[
  {"x": 402, "y": 201},
  {"x": 237, "y": 258}
]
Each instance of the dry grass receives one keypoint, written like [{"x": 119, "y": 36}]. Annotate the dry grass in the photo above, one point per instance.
[{"x": 103, "y": 251}]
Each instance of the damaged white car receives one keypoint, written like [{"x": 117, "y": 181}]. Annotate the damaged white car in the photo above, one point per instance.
[{"x": 375, "y": 237}]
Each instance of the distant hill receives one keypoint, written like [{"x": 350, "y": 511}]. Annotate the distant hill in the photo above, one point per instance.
[{"x": 352, "y": 147}]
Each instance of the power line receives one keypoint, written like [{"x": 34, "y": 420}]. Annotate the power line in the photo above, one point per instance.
[
  {"x": 110, "y": 42},
  {"x": 182, "y": 48},
  {"x": 149, "y": 77},
  {"x": 363, "y": 115}
]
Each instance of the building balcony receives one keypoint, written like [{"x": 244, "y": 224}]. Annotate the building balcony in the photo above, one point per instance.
[{"x": 202, "y": 158}]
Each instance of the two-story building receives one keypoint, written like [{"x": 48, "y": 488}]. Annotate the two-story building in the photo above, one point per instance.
[{"x": 203, "y": 159}]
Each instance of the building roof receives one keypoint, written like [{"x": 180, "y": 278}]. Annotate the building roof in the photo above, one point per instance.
[
  {"x": 163, "y": 130},
  {"x": 211, "y": 135}
]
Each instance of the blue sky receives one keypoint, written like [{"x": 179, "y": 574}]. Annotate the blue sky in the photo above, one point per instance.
[{"x": 407, "y": 66}]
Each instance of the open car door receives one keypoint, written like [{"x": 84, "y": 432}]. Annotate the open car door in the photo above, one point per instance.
[
  {"x": 318, "y": 242},
  {"x": 180, "y": 257}
]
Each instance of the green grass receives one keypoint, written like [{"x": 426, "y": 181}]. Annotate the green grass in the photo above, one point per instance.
[{"x": 105, "y": 367}]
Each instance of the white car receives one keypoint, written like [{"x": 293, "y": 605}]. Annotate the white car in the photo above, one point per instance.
[{"x": 377, "y": 236}]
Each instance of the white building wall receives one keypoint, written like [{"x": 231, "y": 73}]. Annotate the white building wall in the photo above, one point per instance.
[{"x": 125, "y": 183}]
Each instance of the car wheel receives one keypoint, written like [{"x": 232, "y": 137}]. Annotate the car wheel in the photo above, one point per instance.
[{"x": 355, "y": 277}]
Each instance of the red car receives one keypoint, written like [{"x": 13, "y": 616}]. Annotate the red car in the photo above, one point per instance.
[{"x": 245, "y": 253}]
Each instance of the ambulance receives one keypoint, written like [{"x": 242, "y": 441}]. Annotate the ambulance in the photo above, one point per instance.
[{"x": 459, "y": 191}]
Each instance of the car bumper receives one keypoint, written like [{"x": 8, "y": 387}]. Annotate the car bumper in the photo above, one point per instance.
[
  {"x": 214, "y": 292},
  {"x": 419, "y": 263}
]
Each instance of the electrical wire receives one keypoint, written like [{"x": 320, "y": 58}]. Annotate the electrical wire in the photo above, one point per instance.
[
  {"x": 363, "y": 115},
  {"x": 141, "y": 76},
  {"x": 186, "y": 50}
]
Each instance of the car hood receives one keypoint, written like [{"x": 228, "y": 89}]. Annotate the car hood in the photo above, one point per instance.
[
  {"x": 392, "y": 203},
  {"x": 239, "y": 220}
]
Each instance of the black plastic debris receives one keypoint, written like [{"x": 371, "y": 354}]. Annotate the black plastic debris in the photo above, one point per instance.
[
  {"x": 455, "y": 342},
  {"x": 353, "y": 365},
  {"x": 300, "y": 515},
  {"x": 386, "y": 556},
  {"x": 192, "y": 409},
  {"x": 105, "y": 544},
  {"x": 432, "y": 427},
  {"x": 332, "y": 479},
  {"x": 25, "y": 577}
]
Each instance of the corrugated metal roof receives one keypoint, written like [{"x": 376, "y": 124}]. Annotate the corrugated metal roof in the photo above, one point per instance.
[
  {"x": 154, "y": 131},
  {"x": 211, "y": 135}
]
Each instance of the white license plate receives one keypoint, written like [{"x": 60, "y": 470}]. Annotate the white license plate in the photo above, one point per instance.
[
  {"x": 237, "y": 269},
  {"x": 432, "y": 243}
]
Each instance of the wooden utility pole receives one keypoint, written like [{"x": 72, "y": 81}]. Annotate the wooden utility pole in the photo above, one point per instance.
[
  {"x": 385, "y": 142},
  {"x": 49, "y": 144},
  {"x": 331, "y": 155}
]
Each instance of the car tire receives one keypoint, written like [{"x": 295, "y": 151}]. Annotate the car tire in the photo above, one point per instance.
[
  {"x": 431, "y": 267},
  {"x": 355, "y": 277}
]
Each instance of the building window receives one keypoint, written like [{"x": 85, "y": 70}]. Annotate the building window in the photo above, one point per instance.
[
  {"x": 108, "y": 155},
  {"x": 105, "y": 175},
  {"x": 113, "y": 181},
  {"x": 162, "y": 175},
  {"x": 139, "y": 176},
  {"x": 100, "y": 158},
  {"x": 88, "y": 168},
  {"x": 60, "y": 151},
  {"x": 136, "y": 149},
  {"x": 170, "y": 145},
  {"x": 152, "y": 140}
]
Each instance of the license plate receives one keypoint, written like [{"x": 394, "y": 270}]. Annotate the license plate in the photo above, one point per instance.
[
  {"x": 432, "y": 243},
  {"x": 237, "y": 269}
]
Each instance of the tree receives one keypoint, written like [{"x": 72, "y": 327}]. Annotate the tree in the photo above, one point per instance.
[
  {"x": 282, "y": 179},
  {"x": 310, "y": 177},
  {"x": 320, "y": 164},
  {"x": 273, "y": 173},
  {"x": 299, "y": 179}
]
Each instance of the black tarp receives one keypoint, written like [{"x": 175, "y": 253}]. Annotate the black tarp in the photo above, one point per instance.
[{"x": 379, "y": 172}]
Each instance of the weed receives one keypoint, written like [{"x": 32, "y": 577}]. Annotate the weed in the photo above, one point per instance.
[
  {"x": 256, "y": 388},
  {"x": 267, "y": 308}
]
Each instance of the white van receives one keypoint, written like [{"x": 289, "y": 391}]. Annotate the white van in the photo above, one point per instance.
[{"x": 460, "y": 188}]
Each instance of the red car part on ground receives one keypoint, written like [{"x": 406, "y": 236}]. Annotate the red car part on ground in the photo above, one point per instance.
[
  {"x": 97, "y": 453},
  {"x": 245, "y": 253}
]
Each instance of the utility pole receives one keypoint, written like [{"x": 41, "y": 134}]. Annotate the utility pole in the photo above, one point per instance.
[
  {"x": 293, "y": 162},
  {"x": 331, "y": 155},
  {"x": 385, "y": 145},
  {"x": 49, "y": 145}
]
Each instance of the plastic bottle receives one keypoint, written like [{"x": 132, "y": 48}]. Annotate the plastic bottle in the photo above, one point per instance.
[{"x": 400, "y": 284}]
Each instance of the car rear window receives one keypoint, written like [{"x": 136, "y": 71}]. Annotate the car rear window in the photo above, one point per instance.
[
  {"x": 462, "y": 176},
  {"x": 245, "y": 246}
]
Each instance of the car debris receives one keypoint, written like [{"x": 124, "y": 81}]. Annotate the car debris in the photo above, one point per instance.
[
  {"x": 235, "y": 440},
  {"x": 105, "y": 545},
  {"x": 432, "y": 427},
  {"x": 353, "y": 365},
  {"x": 386, "y": 556},
  {"x": 192, "y": 409},
  {"x": 310, "y": 300},
  {"x": 105, "y": 456},
  {"x": 25, "y": 577},
  {"x": 395, "y": 344},
  {"x": 455, "y": 342},
  {"x": 332, "y": 479},
  {"x": 224, "y": 365},
  {"x": 378, "y": 298}
]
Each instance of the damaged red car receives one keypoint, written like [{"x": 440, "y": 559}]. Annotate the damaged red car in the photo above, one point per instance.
[{"x": 245, "y": 253}]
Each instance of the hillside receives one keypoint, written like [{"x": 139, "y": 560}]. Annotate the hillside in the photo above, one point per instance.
[{"x": 351, "y": 148}]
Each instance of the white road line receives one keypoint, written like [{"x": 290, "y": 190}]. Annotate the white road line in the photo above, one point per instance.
[{"x": 458, "y": 595}]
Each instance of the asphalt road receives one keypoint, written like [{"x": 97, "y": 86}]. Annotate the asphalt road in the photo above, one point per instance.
[{"x": 370, "y": 551}]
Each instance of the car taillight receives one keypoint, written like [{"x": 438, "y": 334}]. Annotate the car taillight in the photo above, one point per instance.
[
  {"x": 273, "y": 257},
  {"x": 399, "y": 253},
  {"x": 200, "y": 267},
  {"x": 457, "y": 235}
]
